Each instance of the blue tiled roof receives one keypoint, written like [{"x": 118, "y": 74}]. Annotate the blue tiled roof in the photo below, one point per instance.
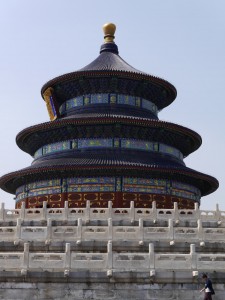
[{"x": 110, "y": 61}]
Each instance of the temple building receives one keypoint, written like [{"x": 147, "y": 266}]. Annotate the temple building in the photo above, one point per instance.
[
  {"x": 105, "y": 142},
  {"x": 108, "y": 209}
]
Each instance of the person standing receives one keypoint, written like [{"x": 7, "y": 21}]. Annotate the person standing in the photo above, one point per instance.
[{"x": 208, "y": 288}]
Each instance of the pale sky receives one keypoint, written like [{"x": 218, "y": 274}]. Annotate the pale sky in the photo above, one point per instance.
[{"x": 180, "y": 41}]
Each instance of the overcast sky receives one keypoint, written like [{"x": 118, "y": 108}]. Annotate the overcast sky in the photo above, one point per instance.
[{"x": 180, "y": 41}]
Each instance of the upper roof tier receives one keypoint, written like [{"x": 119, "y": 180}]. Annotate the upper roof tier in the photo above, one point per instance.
[{"x": 109, "y": 73}]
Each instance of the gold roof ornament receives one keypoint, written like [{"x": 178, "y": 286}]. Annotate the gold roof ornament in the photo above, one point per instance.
[
  {"x": 48, "y": 97},
  {"x": 109, "y": 31}
]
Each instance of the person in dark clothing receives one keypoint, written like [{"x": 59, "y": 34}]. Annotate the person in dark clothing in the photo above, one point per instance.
[{"x": 208, "y": 289}]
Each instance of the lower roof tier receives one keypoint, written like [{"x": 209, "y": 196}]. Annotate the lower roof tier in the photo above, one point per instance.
[{"x": 104, "y": 166}]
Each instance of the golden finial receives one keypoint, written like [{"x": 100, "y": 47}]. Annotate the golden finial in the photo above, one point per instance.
[{"x": 109, "y": 30}]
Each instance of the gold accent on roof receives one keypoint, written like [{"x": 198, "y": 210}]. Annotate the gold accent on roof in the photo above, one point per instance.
[
  {"x": 50, "y": 105},
  {"x": 109, "y": 31}
]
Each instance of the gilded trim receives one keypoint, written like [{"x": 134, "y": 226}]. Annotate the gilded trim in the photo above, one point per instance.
[{"x": 50, "y": 103}]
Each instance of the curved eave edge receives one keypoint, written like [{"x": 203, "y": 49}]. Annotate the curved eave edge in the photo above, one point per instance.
[
  {"x": 22, "y": 135},
  {"x": 212, "y": 181},
  {"x": 132, "y": 75}
]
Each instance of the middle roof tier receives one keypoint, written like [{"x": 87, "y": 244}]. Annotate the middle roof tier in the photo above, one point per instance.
[{"x": 108, "y": 126}]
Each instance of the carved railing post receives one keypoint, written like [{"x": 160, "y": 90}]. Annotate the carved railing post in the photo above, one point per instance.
[
  {"x": 49, "y": 231},
  {"x": 44, "y": 210},
  {"x": 110, "y": 228},
  {"x": 171, "y": 230},
  {"x": 154, "y": 211},
  {"x": 79, "y": 230},
  {"x": 197, "y": 211},
  {"x": 18, "y": 231},
  {"x": 132, "y": 211},
  {"x": 22, "y": 211},
  {"x": 25, "y": 263},
  {"x": 88, "y": 211},
  {"x": 2, "y": 212},
  {"x": 109, "y": 256},
  {"x": 151, "y": 256},
  {"x": 141, "y": 231},
  {"x": 175, "y": 212},
  {"x": 193, "y": 255},
  {"x": 109, "y": 209},
  {"x": 67, "y": 263},
  {"x": 65, "y": 210},
  {"x": 217, "y": 213},
  {"x": 200, "y": 230}
]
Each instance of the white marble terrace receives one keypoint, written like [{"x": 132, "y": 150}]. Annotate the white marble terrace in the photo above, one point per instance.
[{"x": 106, "y": 227}]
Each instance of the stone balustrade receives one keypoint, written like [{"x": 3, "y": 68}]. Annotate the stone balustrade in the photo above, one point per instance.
[
  {"x": 111, "y": 262},
  {"x": 83, "y": 232},
  {"x": 131, "y": 213},
  {"x": 127, "y": 232}
]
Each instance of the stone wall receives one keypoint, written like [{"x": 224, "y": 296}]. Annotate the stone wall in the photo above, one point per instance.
[{"x": 100, "y": 291}]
